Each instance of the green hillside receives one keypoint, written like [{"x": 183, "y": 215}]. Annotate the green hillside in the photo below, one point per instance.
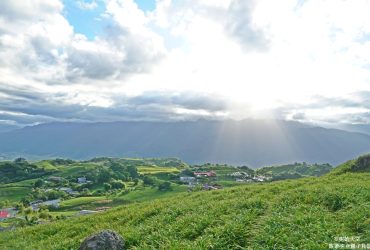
[
  {"x": 308, "y": 213},
  {"x": 361, "y": 165},
  {"x": 294, "y": 171}
]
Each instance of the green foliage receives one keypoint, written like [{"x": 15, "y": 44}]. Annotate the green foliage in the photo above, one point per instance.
[
  {"x": 164, "y": 186},
  {"x": 59, "y": 161},
  {"x": 4, "y": 203},
  {"x": 294, "y": 171},
  {"x": 39, "y": 183},
  {"x": 136, "y": 181},
  {"x": 117, "y": 184},
  {"x": 40, "y": 194},
  {"x": 187, "y": 172},
  {"x": 258, "y": 216},
  {"x": 132, "y": 170},
  {"x": 149, "y": 180},
  {"x": 107, "y": 186},
  {"x": 306, "y": 213},
  {"x": 20, "y": 170},
  {"x": 361, "y": 164}
]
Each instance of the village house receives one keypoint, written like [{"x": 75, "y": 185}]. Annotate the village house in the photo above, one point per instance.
[
  {"x": 243, "y": 180},
  {"x": 260, "y": 178},
  {"x": 35, "y": 205},
  {"x": 205, "y": 174},
  {"x": 187, "y": 179},
  {"x": 68, "y": 190},
  {"x": 82, "y": 180},
  {"x": 4, "y": 214},
  {"x": 240, "y": 174}
]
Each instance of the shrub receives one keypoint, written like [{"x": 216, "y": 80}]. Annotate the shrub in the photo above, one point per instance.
[{"x": 165, "y": 186}]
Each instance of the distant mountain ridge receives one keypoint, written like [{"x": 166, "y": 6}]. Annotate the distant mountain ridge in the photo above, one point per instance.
[{"x": 249, "y": 142}]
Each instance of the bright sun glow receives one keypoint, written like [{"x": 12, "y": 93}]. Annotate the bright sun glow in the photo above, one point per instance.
[{"x": 247, "y": 58}]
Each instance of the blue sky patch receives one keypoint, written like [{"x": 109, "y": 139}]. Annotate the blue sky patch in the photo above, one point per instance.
[
  {"x": 88, "y": 21},
  {"x": 85, "y": 21},
  {"x": 146, "y": 5}
]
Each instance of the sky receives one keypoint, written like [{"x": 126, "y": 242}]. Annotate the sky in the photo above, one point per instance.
[{"x": 156, "y": 60}]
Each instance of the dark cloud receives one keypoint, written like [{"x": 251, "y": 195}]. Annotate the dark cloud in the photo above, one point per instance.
[
  {"x": 359, "y": 99},
  {"x": 91, "y": 64},
  {"x": 193, "y": 101},
  {"x": 42, "y": 47},
  {"x": 33, "y": 107},
  {"x": 299, "y": 116}
]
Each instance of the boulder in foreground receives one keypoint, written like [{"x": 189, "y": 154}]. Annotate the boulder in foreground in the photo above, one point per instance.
[{"x": 106, "y": 239}]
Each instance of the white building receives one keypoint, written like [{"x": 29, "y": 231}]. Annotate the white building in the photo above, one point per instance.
[
  {"x": 52, "y": 203},
  {"x": 187, "y": 179}
]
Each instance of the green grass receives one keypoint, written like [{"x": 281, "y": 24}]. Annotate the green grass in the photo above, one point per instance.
[
  {"x": 13, "y": 193},
  {"x": 80, "y": 202},
  {"x": 64, "y": 213},
  {"x": 90, "y": 203},
  {"x": 295, "y": 214},
  {"x": 138, "y": 195},
  {"x": 46, "y": 165},
  {"x": 71, "y": 170},
  {"x": 150, "y": 193}
]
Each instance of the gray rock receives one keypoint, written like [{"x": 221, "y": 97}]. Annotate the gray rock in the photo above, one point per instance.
[{"x": 105, "y": 240}]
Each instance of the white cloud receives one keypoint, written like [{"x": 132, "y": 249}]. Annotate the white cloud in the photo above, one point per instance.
[{"x": 264, "y": 58}]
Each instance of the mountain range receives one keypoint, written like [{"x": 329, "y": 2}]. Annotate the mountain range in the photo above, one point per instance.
[{"x": 253, "y": 143}]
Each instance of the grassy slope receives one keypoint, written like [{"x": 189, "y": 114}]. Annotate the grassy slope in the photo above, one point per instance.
[
  {"x": 14, "y": 192},
  {"x": 359, "y": 165},
  {"x": 139, "y": 195},
  {"x": 305, "y": 214}
]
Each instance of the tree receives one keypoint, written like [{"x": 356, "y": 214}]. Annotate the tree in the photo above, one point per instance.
[
  {"x": 20, "y": 207},
  {"x": 117, "y": 184},
  {"x": 54, "y": 194},
  {"x": 39, "y": 183},
  {"x": 28, "y": 211},
  {"x": 164, "y": 186},
  {"x": 4, "y": 203},
  {"x": 136, "y": 181},
  {"x": 187, "y": 172},
  {"x": 26, "y": 201},
  {"x": 132, "y": 170},
  {"x": 104, "y": 174},
  {"x": 148, "y": 180},
  {"x": 20, "y": 160},
  {"x": 107, "y": 186},
  {"x": 85, "y": 192}
]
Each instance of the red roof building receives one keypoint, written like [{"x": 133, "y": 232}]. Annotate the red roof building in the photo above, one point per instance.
[{"x": 4, "y": 214}]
